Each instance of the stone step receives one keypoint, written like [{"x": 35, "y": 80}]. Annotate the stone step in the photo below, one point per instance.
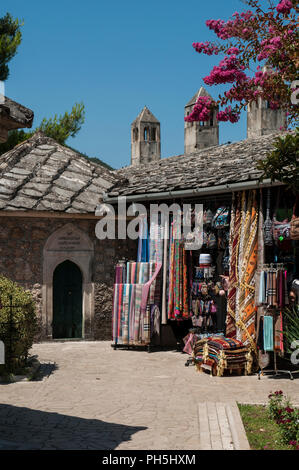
[{"x": 221, "y": 427}]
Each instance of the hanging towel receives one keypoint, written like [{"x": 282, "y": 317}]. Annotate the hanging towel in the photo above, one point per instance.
[
  {"x": 262, "y": 293},
  {"x": 164, "y": 288},
  {"x": 260, "y": 340},
  {"x": 268, "y": 333},
  {"x": 143, "y": 242}
]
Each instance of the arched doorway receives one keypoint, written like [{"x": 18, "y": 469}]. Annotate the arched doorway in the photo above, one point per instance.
[{"x": 67, "y": 301}]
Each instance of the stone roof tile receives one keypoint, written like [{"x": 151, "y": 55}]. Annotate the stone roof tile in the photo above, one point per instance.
[
  {"x": 42, "y": 175},
  {"x": 217, "y": 165}
]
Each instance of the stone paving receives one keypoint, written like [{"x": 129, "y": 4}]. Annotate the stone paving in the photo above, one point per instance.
[{"x": 92, "y": 397}]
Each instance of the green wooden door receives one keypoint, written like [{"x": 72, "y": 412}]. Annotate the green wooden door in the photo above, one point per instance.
[{"x": 67, "y": 301}]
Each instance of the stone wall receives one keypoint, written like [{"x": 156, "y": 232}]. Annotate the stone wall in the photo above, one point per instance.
[{"x": 22, "y": 242}]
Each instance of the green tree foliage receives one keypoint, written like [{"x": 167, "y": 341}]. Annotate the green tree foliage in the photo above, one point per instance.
[
  {"x": 282, "y": 164},
  {"x": 10, "y": 39},
  {"x": 65, "y": 126},
  {"x": 59, "y": 128},
  {"x": 24, "y": 319}
]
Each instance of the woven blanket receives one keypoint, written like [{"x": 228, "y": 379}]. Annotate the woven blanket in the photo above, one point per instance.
[{"x": 224, "y": 343}]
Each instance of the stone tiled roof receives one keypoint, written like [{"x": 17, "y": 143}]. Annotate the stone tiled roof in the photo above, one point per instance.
[
  {"x": 15, "y": 114},
  {"x": 42, "y": 175},
  {"x": 218, "y": 165}
]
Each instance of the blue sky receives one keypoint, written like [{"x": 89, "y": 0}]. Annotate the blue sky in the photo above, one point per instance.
[{"x": 115, "y": 57}]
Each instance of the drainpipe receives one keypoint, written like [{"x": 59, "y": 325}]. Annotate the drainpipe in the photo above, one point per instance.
[{"x": 220, "y": 189}]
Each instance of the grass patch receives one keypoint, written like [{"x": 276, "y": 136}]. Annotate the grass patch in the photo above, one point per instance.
[{"x": 262, "y": 432}]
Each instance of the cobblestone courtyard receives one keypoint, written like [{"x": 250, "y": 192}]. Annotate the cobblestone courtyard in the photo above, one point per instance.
[{"x": 98, "y": 398}]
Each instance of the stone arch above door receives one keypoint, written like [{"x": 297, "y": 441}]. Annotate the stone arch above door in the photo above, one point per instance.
[{"x": 68, "y": 243}]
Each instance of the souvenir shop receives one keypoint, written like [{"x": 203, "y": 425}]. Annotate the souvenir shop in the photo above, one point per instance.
[{"x": 222, "y": 290}]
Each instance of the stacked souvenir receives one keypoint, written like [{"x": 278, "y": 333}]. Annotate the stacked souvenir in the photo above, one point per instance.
[{"x": 221, "y": 354}]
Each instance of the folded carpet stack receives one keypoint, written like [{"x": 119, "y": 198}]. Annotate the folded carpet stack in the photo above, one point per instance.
[{"x": 222, "y": 353}]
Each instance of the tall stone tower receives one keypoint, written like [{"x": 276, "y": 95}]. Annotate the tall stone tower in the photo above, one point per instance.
[
  {"x": 199, "y": 135},
  {"x": 145, "y": 138},
  {"x": 262, "y": 120}
]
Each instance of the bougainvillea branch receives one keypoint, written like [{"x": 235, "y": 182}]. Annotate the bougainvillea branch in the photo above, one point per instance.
[{"x": 260, "y": 61}]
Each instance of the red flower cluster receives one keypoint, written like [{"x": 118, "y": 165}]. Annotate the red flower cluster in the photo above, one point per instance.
[
  {"x": 202, "y": 110},
  {"x": 228, "y": 115},
  {"x": 225, "y": 30},
  {"x": 248, "y": 37},
  {"x": 294, "y": 444},
  {"x": 284, "y": 6},
  {"x": 229, "y": 70},
  {"x": 206, "y": 48}
]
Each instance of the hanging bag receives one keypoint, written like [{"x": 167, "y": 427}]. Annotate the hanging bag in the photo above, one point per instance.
[
  {"x": 280, "y": 230},
  {"x": 221, "y": 218},
  {"x": 207, "y": 217},
  {"x": 294, "y": 229},
  {"x": 268, "y": 237}
]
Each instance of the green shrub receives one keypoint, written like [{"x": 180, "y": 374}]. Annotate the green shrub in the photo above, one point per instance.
[
  {"x": 287, "y": 417},
  {"x": 291, "y": 328},
  {"x": 24, "y": 323}
]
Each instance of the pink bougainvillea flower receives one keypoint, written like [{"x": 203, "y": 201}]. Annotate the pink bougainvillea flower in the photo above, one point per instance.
[{"x": 284, "y": 6}]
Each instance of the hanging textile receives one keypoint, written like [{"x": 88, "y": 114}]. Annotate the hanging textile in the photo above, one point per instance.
[
  {"x": 120, "y": 273},
  {"x": 143, "y": 241},
  {"x": 131, "y": 305},
  {"x": 156, "y": 241},
  {"x": 268, "y": 333},
  {"x": 165, "y": 263},
  {"x": 244, "y": 234},
  {"x": 234, "y": 238},
  {"x": 155, "y": 320},
  {"x": 248, "y": 259},
  {"x": 178, "y": 300}
]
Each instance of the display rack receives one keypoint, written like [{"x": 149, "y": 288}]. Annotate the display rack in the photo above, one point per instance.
[
  {"x": 273, "y": 312},
  {"x": 275, "y": 371}
]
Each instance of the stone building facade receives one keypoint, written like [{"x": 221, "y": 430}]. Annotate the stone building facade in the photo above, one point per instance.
[
  {"x": 48, "y": 197},
  {"x": 32, "y": 247}
]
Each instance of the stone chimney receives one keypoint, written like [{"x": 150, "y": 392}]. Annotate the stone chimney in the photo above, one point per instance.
[
  {"x": 200, "y": 135},
  {"x": 145, "y": 138}
]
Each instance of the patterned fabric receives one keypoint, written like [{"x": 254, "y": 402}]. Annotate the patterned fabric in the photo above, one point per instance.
[
  {"x": 233, "y": 273},
  {"x": 246, "y": 331},
  {"x": 178, "y": 299},
  {"x": 165, "y": 263},
  {"x": 156, "y": 242},
  {"x": 223, "y": 352},
  {"x": 241, "y": 314},
  {"x": 225, "y": 343},
  {"x": 131, "y": 305}
]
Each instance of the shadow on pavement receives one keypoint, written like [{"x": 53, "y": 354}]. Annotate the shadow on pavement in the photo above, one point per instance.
[{"x": 24, "y": 428}]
